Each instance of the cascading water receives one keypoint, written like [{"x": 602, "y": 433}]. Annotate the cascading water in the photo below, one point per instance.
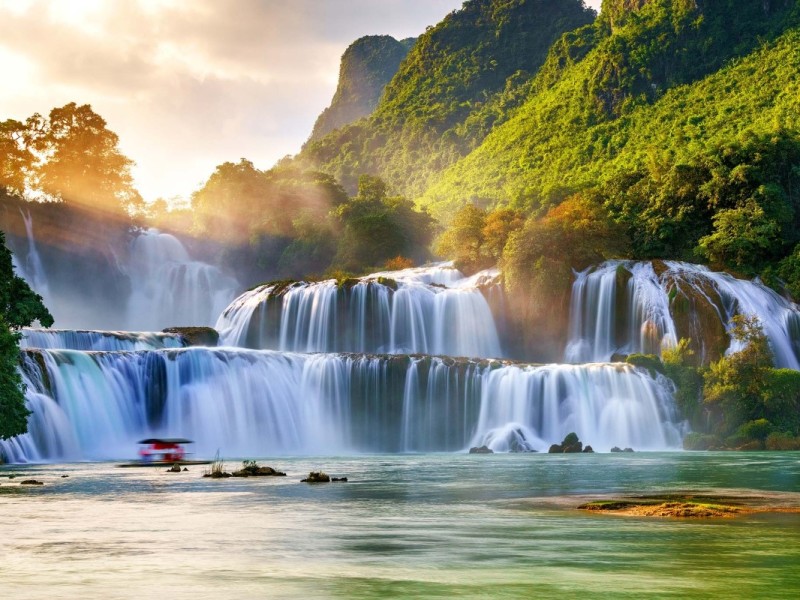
[
  {"x": 96, "y": 405},
  {"x": 169, "y": 288},
  {"x": 109, "y": 341},
  {"x": 432, "y": 310},
  {"x": 30, "y": 268},
  {"x": 625, "y": 307}
]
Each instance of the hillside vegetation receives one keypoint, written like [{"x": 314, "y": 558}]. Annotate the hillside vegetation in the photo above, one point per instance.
[
  {"x": 664, "y": 84},
  {"x": 459, "y": 80}
]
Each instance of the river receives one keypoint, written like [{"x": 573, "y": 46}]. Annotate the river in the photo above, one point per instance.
[{"x": 421, "y": 526}]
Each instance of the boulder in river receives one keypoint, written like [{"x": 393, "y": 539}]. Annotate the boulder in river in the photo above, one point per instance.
[
  {"x": 570, "y": 444},
  {"x": 196, "y": 336},
  {"x": 31, "y": 482},
  {"x": 251, "y": 469},
  {"x": 316, "y": 477},
  {"x": 481, "y": 450}
]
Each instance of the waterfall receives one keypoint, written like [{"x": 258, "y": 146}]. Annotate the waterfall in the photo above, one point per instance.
[
  {"x": 169, "y": 288},
  {"x": 31, "y": 268},
  {"x": 96, "y": 405},
  {"x": 430, "y": 310},
  {"x": 73, "y": 339},
  {"x": 626, "y": 307}
]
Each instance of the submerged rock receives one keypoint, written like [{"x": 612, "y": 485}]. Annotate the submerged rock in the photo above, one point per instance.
[
  {"x": 481, "y": 450},
  {"x": 316, "y": 477},
  {"x": 31, "y": 482}
]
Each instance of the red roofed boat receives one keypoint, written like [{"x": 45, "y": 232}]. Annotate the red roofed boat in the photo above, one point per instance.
[{"x": 159, "y": 452}]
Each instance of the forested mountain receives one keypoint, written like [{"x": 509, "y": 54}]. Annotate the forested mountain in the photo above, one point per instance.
[
  {"x": 644, "y": 78},
  {"x": 367, "y": 66},
  {"x": 460, "y": 79}
]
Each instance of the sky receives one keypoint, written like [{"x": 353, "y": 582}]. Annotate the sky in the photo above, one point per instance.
[{"x": 188, "y": 85}]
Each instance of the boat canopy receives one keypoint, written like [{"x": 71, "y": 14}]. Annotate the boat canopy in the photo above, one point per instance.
[{"x": 166, "y": 441}]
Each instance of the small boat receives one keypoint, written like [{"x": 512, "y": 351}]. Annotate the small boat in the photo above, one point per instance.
[{"x": 160, "y": 452}]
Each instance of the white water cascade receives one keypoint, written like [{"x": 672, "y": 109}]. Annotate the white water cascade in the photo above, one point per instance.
[
  {"x": 625, "y": 307},
  {"x": 169, "y": 288},
  {"x": 109, "y": 341},
  {"x": 30, "y": 268},
  {"x": 96, "y": 405},
  {"x": 430, "y": 310}
]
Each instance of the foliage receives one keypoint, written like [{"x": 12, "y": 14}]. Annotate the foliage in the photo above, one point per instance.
[
  {"x": 574, "y": 235},
  {"x": 70, "y": 157},
  {"x": 651, "y": 362},
  {"x": 688, "y": 379},
  {"x": 398, "y": 263},
  {"x": 463, "y": 240},
  {"x": 657, "y": 89},
  {"x": 460, "y": 79},
  {"x": 19, "y": 307},
  {"x": 80, "y": 162},
  {"x": 239, "y": 203},
  {"x": 376, "y": 227},
  {"x": 735, "y": 386},
  {"x": 789, "y": 270},
  {"x": 16, "y": 158},
  {"x": 475, "y": 238},
  {"x": 276, "y": 222}
]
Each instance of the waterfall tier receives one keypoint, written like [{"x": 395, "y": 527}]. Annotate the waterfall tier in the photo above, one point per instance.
[
  {"x": 108, "y": 341},
  {"x": 625, "y": 307},
  {"x": 433, "y": 310},
  {"x": 169, "y": 288},
  {"x": 96, "y": 405}
]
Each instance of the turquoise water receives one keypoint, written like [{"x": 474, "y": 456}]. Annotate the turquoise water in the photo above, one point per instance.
[{"x": 418, "y": 526}]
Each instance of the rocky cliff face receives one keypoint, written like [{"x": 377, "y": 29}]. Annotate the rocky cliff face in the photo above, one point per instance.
[{"x": 367, "y": 66}]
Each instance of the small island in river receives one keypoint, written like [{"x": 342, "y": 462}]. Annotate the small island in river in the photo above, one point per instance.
[{"x": 692, "y": 505}]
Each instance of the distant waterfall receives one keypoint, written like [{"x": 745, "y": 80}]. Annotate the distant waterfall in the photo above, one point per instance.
[
  {"x": 626, "y": 307},
  {"x": 73, "y": 339},
  {"x": 30, "y": 266},
  {"x": 258, "y": 403},
  {"x": 431, "y": 310},
  {"x": 169, "y": 288}
]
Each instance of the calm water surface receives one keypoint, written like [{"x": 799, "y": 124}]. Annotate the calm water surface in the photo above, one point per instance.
[{"x": 426, "y": 526}]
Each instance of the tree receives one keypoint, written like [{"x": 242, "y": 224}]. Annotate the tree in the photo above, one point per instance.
[
  {"x": 463, "y": 239},
  {"x": 743, "y": 238},
  {"x": 229, "y": 203},
  {"x": 376, "y": 227},
  {"x": 19, "y": 306},
  {"x": 81, "y": 164},
  {"x": 577, "y": 233},
  {"x": 16, "y": 158},
  {"x": 735, "y": 385}
]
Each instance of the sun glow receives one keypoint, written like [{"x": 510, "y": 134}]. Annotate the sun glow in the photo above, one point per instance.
[{"x": 16, "y": 67}]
